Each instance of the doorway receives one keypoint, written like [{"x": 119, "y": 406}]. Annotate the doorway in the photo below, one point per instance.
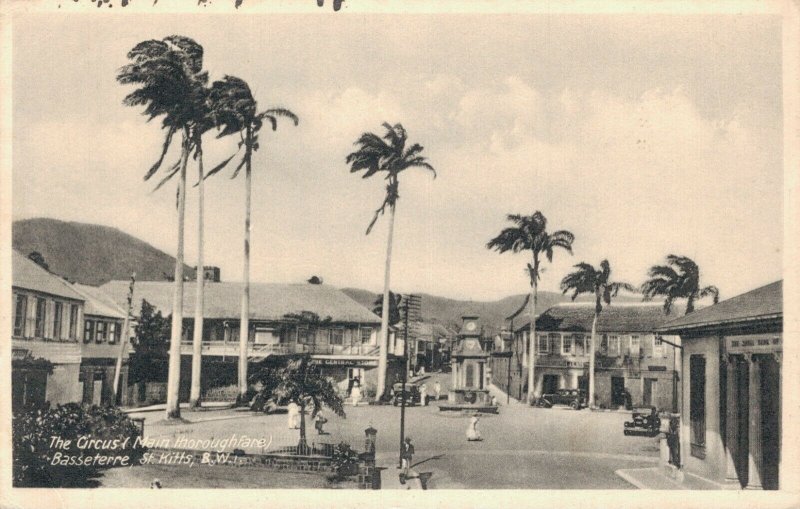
[
  {"x": 617, "y": 391},
  {"x": 549, "y": 384},
  {"x": 650, "y": 385}
]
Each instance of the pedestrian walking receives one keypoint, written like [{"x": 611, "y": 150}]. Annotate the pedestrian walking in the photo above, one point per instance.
[
  {"x": 437, "y": 389},
  {"x": 319, "y": 422},
  {"x": 406, "y": 456},
  {"x": 423, "y": 395},
  {"x": 356, "y": 393},
  {"x": 293, "y": 415},
  {"x": 473, "y": 435},
  {"x": 155, "y": 484}
]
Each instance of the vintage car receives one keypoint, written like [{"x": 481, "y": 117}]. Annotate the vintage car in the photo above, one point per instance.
[
  {"x": 644, "y": 422},
  {"x": 412, "y": 394},
  {"x": 574, "y": 398}
]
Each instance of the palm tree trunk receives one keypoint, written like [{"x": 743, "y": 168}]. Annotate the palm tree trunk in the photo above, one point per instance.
[
  {"x": 174, "y": 373},
  {"x": 591, "y": 358},
  {"x": 532, "y": 340},
  {"x": 244, "y": 325},
  {"x": 197, "y": 339},
  {"x": 384, "y": 339}
]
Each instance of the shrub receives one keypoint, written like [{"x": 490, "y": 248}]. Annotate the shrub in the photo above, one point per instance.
[
  {"x": 345, "y": 461},
  {"x": 33, "y": 432}
]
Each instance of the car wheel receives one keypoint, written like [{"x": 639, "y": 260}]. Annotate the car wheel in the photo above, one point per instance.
[
  {"x": 574, "y": 405},
  {"x": 626, "y": 432}
]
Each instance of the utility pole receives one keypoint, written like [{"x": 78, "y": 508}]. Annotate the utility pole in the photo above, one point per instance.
[
  {"x": 123, "y": 342},
  {"x": 410, "y": 304}
]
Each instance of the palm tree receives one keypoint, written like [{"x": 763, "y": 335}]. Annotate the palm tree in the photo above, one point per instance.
[
  {"x": 598, "y": 282},
  {"x": 529, "y": 233},
  {"x": 375, "y": 155},
  {"x": 394, "y": 307},
  {"x": 236, "y": 111},
  {"x": 301, "y": 382},
  {"x": 170, "y": 77},
  {"x": 683, "y": 283}
]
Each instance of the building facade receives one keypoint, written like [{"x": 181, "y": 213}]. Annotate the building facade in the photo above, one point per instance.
[
  {"x": 102, "y": 343},
  {"x": 633, "y": 364},
  {"x": 730, "y": 417},
  {"x": 46, "y": 334},
  {"x": 340, "y": 334}
]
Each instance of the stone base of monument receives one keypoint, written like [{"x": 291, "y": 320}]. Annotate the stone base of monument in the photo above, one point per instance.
[{"x": 475, "y": 400}]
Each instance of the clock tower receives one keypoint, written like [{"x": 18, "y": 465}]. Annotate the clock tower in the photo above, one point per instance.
[{"x": 468, "y": 364}]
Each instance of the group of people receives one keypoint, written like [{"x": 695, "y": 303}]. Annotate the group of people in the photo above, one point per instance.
[
  {"x": 293, "y": 418},
  {"x": 423, "y": 392}
]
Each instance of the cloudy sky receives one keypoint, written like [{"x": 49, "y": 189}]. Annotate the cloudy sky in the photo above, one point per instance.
[{"x": 643, "y": 135}]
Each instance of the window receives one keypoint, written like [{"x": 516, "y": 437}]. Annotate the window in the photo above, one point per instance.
[
  {"x": 337, "y": 336},
  {"x": 100, "y": 332},
  {"x": 566, "y": 344},
  {"x": 603, "y": 345},
  {"x": 543, "y": 345},
  {"x": 88, "y": 330},
  {"x": 58, "y": 313},
  {"x": 580, "y": 344},
  {"x": 555, "y": 341},
  {"x": 613, "y": 345},
  {"x": 20, "y": 314},
  {"x": 635, "y": 343},
  {"x": 73, "y": 321},
  {"x": 366, "y": 335},
  {"x": 41, "y": 317},
  {"x": 697, "y": 405},
  {"x": 658, "y": 347},
  {"x": 113, "y": 332}
]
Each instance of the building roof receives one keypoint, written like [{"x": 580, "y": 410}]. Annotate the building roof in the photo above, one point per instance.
[
  {"x": 268, "y": 301},
  {"x": 762, "y": 303},
  {"x": 617, "y": 317},
  {"x": 26, "y": 274},
  {"x": 98, "y": 303}
]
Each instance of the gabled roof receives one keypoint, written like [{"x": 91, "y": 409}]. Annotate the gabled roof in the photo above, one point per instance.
[
  {"x": 618, "y": 317},
  {"x": 27, "y": 275},
  {"x": 762, "y": 303},
  {"x": 268, "y": 301},
  {"x": 98, "y": 303}
]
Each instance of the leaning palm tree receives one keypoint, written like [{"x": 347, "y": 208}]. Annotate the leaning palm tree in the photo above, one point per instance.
[
  {"x": 678, "y": 279},
  {"x": 236, "y": 111},
  {"x": 597, "y": 282},
  {"x": 388, "y": 155},
  {"x": 529, "y": 233},
  {"x": 170, "y": 79}
]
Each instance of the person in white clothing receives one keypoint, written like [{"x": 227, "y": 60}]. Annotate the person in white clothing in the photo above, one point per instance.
[{"x": 473, "y": 435}]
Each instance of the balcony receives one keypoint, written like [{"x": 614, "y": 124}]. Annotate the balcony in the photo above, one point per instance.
[{"x": 261, "y": 350}]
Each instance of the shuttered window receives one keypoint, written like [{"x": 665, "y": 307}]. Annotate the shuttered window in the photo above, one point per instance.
[{"x": 697, "y": 405}]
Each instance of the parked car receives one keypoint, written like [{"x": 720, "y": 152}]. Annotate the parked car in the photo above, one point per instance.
[
  {"x": 412, "y": 394},
  {"x": 574, "y": 398},
  {"x": 644, "y": 422}
]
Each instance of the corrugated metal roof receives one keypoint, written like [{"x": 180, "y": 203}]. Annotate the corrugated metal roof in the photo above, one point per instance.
[
  {"x": 27, "y": 275},
  {"x": 617, "y": 317},
  {"x": 763, "y": 302},
  {"x": 268, "y": 301},
  {"x": 98, "y": 303}
]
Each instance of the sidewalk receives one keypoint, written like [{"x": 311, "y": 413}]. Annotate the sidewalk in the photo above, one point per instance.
[
  {"x": 390, "y": 477},
  {"x": 656, "y": 478},
  {"x": 210, "y": 405}
]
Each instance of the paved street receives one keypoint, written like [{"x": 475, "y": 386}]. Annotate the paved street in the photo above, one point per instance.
[{"x": 523, "y": 447}]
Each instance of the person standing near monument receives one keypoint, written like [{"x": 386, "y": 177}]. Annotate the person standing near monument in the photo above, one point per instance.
[
  {"x": 423, "y": 395},
  {"x": 406, "y": 456},
  {"x": 356, "y": 393},
  {"x": 473, "y": 435}
]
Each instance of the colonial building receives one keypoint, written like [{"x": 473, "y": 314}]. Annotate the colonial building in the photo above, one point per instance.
[
  {"x": 633, "y": 364},
  {"x": 102, "y": 341},
  {"x": 46, "y": 335},
  {"x": 730, "y": 418},
  {"x": 344, "y": 343}
]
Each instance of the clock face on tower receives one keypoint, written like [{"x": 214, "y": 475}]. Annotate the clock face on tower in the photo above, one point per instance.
[{"x": 470, "y": 326}]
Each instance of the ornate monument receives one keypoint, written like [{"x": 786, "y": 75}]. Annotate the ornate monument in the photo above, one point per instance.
[{"x": 468, "y": 364}]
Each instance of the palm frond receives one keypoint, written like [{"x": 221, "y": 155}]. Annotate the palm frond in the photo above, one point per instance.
[
  {"x": 216, "y": 169},
  {"x": 164, "y": 149},
  {"x": 710, "y": 290},
  {"x": 170, "y": 174}
]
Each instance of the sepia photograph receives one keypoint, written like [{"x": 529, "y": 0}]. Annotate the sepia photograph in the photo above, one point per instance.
[{"x": 347, "y": 245}]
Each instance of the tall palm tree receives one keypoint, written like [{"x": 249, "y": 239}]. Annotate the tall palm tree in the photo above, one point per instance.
[
  {"x": 388, "y": 155},
  {"x": 235, "y": 111},
  {"x": 170, "y": 79},
  {"x": 678, "y": 279},
  {"x": 394, "y": 307},
  {"x": 529, "y": 233},
  {"x": 597, "y": 282}
]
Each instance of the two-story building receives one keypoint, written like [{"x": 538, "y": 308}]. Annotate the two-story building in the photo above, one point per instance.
[
  {"x": 102, "y": 344},
  {"x": 46, "y": 335},
  {"x": 633, "y": 364},
  {"x": 344, "y": 343},
  {"x": 731, "y": 411}
]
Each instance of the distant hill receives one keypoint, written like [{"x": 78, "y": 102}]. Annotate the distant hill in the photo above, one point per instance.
[{"x": 91, "y": 254}]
